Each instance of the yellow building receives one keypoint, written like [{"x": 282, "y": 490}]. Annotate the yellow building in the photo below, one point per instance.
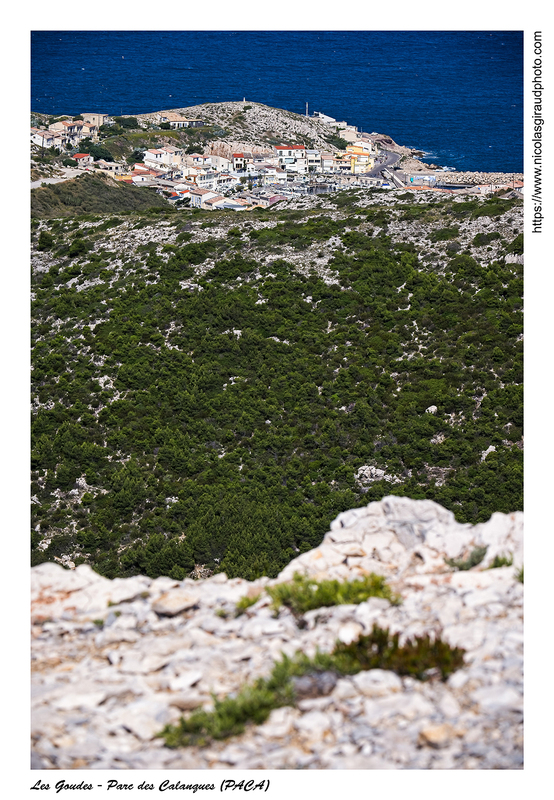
[{"x": 360, "y": 159}]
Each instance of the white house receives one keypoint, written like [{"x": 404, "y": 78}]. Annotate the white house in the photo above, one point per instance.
[
  {"x": 219, "y": 163},
  {"x": 323, "y": 117},
  {"x": 83, "y": 160},
  {"x": 292, "y": 157},
  {"x": 47, "y": 139},
  {"x": 198, "y": 197},
  {"x": 163, "y": 158},
  {"x": 215, "y": 202},
  {"x": 74, "y": 131},
  {"x": 241, "y": 160},
  {"x": 206, "y": 179},
  {"x": 313, "y": 159},
  {"x": 110, "y": 166},
  {"x": 327, "y": 161},
  {"x": 175, "y": 120}
]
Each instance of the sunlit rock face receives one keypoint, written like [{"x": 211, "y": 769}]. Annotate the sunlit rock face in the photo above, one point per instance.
[{"x": 116, "y": 660}]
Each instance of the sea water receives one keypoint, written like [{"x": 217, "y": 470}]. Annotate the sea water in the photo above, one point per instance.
[{"x": 456, "y": 95}]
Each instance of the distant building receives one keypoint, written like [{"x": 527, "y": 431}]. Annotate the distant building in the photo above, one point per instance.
[
  {"x": 74, "y": 132},
  {"x": 212, "y": 203},
  {"x": 83, "y": 159},
  {"x": 110, "y": 166},
  {"x": 199, "y": 196},
  {"x": 177, "y": 120},
  {"x": 95, "y": 119},
  {"x": 163, "y": 158},
  {"x": 47, "y": 139},
  {"x": 313, "y": 159},
  {"x": 323, "y": 117},
  {"x": 292, "y": 157},
  {"x": 241, "y": 160}
]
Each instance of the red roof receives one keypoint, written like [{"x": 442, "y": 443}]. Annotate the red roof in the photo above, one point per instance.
[
  {"x": 290, "y": 147},
  {"x": 81, "y": 155}
]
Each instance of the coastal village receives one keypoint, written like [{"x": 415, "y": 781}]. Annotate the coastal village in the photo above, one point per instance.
[{"x": 260, "y": 177}]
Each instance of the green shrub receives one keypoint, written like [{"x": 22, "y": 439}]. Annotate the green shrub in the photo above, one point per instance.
[
  {"x": 516, "y": 246},
  {"x": 244, "y": 603},
  {"x": 501, "y": 561},
  {"x": 420, "y": 657},
  {"x": 474, "y": 558},
  {"x": 481, "y": 239},
  {"x": 304, "y": 594},
  {"x": 443, "y": 234},
  {"x": 45, "y": 240}
]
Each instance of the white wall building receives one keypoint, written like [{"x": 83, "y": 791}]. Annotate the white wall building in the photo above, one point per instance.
[{"x": 163, "y": 158}]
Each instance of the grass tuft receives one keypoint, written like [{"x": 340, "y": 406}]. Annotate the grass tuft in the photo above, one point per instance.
[
  {"x": 474, "y": 558},
  {"x": 420, "y": 657},
  {"x": 245, "y": 602},
  {"x": 502, "y": 561}
]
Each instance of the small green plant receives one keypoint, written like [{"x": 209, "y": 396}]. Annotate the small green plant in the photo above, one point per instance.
[
  {"x": 443, "y": 234},
  {"x": 482, "y": 239},
  {"x": 45, "y": 240},
  {"x": 519, "y": 575},
  {"x": 304, "y": 594},
  {"x": 501, "y": 561},
  {"x": 420, "y": 657},
  {"x": 245, "y": 602},
  {"x": 474, "y": 558},
  {"x": 516, "y": 246}
]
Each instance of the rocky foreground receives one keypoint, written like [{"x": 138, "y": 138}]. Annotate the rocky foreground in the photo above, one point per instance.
[{"x": 114, "y": 661}]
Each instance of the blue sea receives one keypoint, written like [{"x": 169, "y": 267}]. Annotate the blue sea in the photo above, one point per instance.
[{"x": 456, "y": 95}]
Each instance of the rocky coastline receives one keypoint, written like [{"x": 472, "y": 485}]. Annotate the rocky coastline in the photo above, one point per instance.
[
  {"x": 113, "y": 661},
  {"x": 251, "y": 126}
]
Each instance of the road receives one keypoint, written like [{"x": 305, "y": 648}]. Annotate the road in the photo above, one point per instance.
[
  {"x": 389, "y": 161},
  {"x": 68, "y": 173}
]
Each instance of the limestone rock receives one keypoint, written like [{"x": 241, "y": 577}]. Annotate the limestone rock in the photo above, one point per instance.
[
  {"x": 436, "y": 735},
  {"x": 175, "y": 602},
  {"x": 113, "y": 662}
]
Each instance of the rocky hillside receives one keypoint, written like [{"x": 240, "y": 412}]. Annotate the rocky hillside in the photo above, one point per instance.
[
  {"x": 254, "y": 126},
  {"x": 116, "y": 661},
  {"x": 280, "y": 367}
]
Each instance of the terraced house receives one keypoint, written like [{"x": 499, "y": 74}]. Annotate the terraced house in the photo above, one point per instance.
[
  {"x": 74, "y": 131},
  {"x": 47, "y": 139}
]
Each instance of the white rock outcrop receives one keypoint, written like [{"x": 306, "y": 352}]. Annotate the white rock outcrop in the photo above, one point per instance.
[{"x": 114, "y": 661}]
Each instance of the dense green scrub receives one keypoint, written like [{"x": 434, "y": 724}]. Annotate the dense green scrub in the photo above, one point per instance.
[
  {"x": 219, "y": 416},
  {"x": 98, "y": 194}
]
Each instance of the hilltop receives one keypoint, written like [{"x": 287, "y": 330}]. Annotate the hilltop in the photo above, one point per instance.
[{"x": 257, "y": 127}]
